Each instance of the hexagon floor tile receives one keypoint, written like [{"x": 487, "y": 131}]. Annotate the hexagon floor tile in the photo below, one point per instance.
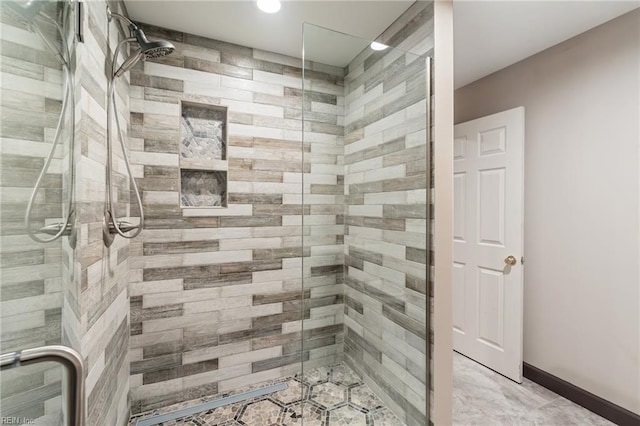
[
  {"x": 344, "y": 375},
  {"x": 312, "y": 414},
  {"x": 347, "y": 415},
  {"x": 263, "y": 413},
  {"x": 317, "y": 375},
  {"x": 325, "y": 396},
  {"x": 295, "y": 392},
  {"x": 384, "y": 417},
  {"x": 221, "y": 414},
  {"x": 363, "y": 397},
  {"x": 328, "y": 394}
]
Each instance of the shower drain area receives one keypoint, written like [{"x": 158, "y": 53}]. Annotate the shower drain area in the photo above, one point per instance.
[{"x": 325, "y": 396}]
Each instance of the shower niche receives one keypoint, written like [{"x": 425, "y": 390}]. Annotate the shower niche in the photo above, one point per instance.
[{"x": 203, "y": 155}]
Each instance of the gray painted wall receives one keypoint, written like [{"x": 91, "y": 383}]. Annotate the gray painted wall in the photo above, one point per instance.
[{"x": 582, "y": 293}]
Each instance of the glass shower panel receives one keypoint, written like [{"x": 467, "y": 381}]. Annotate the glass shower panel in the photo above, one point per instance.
[
  {"x": 365, "y": 224},
  {"x": 37, "y": 241}
]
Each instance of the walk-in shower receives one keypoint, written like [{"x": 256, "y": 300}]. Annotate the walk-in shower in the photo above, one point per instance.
[
  {"x": 143, "y": 49},
  {"x": 316, "y": 291},
  {"x": 281, "y": 270}
]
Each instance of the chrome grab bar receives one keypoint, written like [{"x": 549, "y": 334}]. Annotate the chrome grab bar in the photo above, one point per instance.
[{"x": 71, "y": 361}]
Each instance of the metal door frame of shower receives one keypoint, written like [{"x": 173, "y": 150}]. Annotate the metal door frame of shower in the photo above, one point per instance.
[{"x": 428, "y": 65}]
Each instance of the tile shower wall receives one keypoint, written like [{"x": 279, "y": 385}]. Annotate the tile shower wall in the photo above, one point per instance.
[
  {"x": 87, "y": 284},
  {"x": 385, "y": 239},
  {"x": 216, "y": 292},
  {"x": 31, "y": 272},
  {"x": 96, "y": 302}
]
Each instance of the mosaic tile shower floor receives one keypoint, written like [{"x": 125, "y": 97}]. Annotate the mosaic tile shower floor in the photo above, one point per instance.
[{"x": 325, "y": 396}]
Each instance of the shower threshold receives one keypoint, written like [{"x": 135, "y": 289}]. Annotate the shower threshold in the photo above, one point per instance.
[{"x": 325, "y": 396}]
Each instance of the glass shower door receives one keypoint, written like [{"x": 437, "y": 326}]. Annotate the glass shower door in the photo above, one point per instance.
[
  {"x": 36, "y": 223},
  {"x": 366, "y": 222}
]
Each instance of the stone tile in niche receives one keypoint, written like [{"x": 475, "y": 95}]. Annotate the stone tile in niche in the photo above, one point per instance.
[
  {"x": 203, "y": 188},
  {"x": 203, "y": 132}
]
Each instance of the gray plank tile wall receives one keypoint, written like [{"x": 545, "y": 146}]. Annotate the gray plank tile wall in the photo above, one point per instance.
[
  {"x": 216, "y": 293},
  {"x": 30, "y": 272},
  {"x": 96, "y": 301},
  {"x": 386, "y": 336}
]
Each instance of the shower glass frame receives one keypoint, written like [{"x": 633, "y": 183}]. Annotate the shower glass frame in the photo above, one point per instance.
[
  {"x": 418, "y": 211},
  {"x": 38, "y": 193}
]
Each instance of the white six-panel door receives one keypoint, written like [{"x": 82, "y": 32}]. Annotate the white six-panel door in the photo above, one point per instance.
[{"x": 488, "y": 228}]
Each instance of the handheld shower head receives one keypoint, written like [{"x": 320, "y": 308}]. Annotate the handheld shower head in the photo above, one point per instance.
[
  {"x": 128, "y": 63},
  {"x": 152, "y": 49},
  {"x": 146, "y": 50}
]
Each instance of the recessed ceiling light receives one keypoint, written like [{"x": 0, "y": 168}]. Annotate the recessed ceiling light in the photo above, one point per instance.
[
  {"x": 378, "y": 46},
  {"x": 268, "y": 6}
]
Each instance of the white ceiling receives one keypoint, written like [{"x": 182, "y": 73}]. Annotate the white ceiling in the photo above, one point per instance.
[
  {"x": 241, "y": 22},
  {"x": 488, "y": 35}
]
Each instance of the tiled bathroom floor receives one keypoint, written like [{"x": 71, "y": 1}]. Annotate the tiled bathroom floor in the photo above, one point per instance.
[
  {"x": 326, "y": 396},
  {"x": 335, "y": 396},
  {"x": 483, "y": 397}
]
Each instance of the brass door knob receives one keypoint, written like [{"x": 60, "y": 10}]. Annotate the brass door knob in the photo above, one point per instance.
[{"x": 510, "y": 260}]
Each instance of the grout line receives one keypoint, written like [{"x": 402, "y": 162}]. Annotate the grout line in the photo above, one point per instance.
[{"x": 161, "y": 418}]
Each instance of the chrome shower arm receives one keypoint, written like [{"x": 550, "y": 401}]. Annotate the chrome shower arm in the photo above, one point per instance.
[{"x": 129, "y": 22}]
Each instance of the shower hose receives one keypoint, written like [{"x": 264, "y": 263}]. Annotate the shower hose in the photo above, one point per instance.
[
  {"x": 111, "y": 224},
  {"x": 59, "y": 229}
]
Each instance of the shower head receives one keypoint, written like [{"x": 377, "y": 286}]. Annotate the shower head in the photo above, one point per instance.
[
  {"x": 152, "y": 49},
  {"x": 146, "y": 50}
]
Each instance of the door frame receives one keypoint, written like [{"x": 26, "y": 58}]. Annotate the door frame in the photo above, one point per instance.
[{"x": 443, "y": 94}]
